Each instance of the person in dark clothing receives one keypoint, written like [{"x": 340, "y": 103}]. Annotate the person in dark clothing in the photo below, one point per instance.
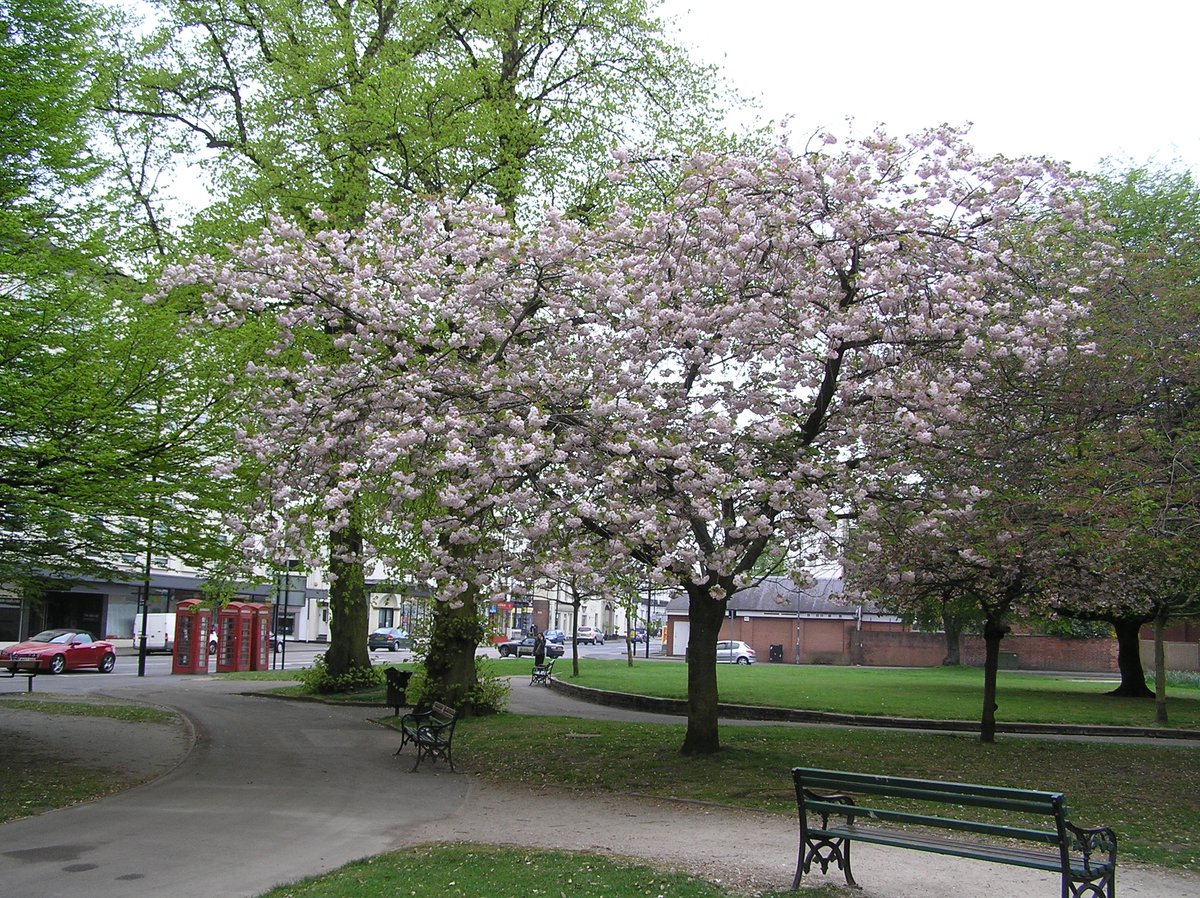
[{"x": 539, "y": 648}]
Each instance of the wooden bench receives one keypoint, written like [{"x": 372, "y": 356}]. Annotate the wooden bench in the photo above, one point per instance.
[
  {"x": 542, "y": 672},
  {"x": 21, "y": 667},
  {"x": 1036, "y": 833},
  {"x": 431, "y": 731}
]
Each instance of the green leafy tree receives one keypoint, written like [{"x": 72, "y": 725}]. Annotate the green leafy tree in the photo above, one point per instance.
[
  {"x": 334, "y": 106},
  {"x": 108, "y": 417},
  {"x": 1132, "y": 471}
]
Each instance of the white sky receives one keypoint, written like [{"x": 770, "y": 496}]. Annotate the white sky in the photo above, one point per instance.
[{"x": 1076, "y": 81}]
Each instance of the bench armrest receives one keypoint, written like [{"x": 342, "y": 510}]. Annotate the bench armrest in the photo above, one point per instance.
[
  {"x": 1092, "y": 842},
  {"x": 832, "y": 798},
  {"x": 414, "y": 719}
]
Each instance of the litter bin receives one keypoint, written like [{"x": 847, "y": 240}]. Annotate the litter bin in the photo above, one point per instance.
[
  {"x": 397, "y": 687},
  {"x": 776, "y": 652}
]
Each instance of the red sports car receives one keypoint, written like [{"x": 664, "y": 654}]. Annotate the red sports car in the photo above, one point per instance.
[{"x": 62, "y": 650}]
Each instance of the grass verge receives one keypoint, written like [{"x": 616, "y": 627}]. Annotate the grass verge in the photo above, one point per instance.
[
  {"x": 35, "y": 786},
  {"x": 444, "y": 871},
  {"x": 1147, "y": 793},
  {"x": 114, "y": 711},
  {"x": 931, "y": 693}
]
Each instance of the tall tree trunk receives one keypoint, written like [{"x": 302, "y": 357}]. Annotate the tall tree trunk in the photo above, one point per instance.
[
  {"x": 1160, "y": 666},
  {"x": 1129, "y": 659},
  {"x": 347, "y": 603},
  {"x": 705, "y": 615},
  {"x": 952, "y": 627},
  {"x": 450, "y": 663},
  {"x": 994, "y": 629}
]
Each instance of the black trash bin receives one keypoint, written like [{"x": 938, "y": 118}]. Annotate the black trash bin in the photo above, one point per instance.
[
  {"x": 776, "y": 652},
  {"x": 397, "y": 687}
]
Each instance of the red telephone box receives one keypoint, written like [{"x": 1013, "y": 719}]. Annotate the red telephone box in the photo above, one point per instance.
[
  {"x": 235, "y": 633},
  {"x": 190, "y": 655},
  {"x": 260, "y": 653}
]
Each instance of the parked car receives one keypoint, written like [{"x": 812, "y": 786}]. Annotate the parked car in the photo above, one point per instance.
[
  {"x": 590, "y": 635},
  {"x": 515, "y": 648},
  {"x": 556, "y": 636},
  {"x": 730, "y": 651},
  {"x": 391, "y": 638},
  {"x": 62, "y": 650},
  {"x": 638, "y": 634}
]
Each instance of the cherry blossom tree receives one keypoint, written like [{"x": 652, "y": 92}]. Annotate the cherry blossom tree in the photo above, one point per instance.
[
  {"x": 730, "y": 368},
  {"x": 686, "y": 387}
]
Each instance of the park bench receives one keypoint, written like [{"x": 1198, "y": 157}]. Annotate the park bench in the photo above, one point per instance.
[
  {"x": 21, "y": 667},
  {"x": 431, "y": 731},
  {"x": 1035, "y": 831},
  {"x": 541, "y": 673}
]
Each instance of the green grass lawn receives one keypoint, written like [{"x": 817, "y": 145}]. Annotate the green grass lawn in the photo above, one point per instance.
[
  {"x": 937, "y": 693},
  {"x": 481, "y": 871},
  {"x": 1147, "y": 793},
  {"x": 33, "y": 785}
]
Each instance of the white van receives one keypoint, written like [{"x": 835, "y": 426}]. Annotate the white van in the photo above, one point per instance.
[{"x": 160, "y": 632}]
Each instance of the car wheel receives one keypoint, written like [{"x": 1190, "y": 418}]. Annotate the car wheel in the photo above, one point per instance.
[
  {"x": 107, "y": 663},
  {"x": 743, "y": 660},
  {"x": 395, "y": 648},
  {"x": 58, "y": 664}
]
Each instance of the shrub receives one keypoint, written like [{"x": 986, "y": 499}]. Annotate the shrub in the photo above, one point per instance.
[
  {"x": 489, "y": 696},
  {"x": 318, "y": 678}
]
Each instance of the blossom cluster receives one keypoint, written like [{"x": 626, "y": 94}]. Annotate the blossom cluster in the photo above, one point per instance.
[{"x": 687, "y": 387}]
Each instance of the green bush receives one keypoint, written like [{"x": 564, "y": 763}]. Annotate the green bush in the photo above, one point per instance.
[
  {"x": 318, "y": 678},
  {"x": 489, "y": 696},
  {"x": 491, "y": 692}
]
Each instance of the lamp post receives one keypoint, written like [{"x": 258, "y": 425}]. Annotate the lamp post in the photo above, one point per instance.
[{"x": 649, "y": 590}]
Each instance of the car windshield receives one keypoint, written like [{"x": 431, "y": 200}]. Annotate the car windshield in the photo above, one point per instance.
[{"x": 62, "y": 636}]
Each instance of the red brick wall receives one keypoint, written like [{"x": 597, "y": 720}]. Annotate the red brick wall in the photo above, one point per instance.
[
  {"x": 1032, "y": 652},
  {"x": 886, "y": 645}
]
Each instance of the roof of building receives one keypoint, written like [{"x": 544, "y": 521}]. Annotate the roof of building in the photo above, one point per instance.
[{"x": 780, "y": 595}]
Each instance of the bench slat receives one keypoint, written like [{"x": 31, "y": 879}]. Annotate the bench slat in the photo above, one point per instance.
[
  {"x": 1015, "y": 856},
  {"x": 998, "y": 797},
  {"x": 974, "y": 826}
]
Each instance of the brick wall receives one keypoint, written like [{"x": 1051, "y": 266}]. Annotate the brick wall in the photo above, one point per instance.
[{"x": 1021, "y": 652}]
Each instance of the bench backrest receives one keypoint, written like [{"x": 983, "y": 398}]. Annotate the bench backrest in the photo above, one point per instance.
[
  {"x": 443, "y": 713},
  {"x": 997, "y": 798}
]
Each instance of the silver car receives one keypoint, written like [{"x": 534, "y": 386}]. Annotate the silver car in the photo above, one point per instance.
[
  {"x": 590, "y": 635},
  {"x": 730, "y": 651}
]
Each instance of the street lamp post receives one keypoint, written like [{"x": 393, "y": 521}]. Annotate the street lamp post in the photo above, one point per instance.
[{"x": 649, "y": 590}]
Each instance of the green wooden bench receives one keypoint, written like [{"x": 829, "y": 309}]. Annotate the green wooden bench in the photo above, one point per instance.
[
  {"x": 431, "y": 731},
  {"x": 21, "y": 667},
  {"x": 853, "y": 807}
]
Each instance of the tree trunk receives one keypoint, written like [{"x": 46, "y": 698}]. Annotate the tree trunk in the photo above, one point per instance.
[
  {"x": 994, "y": 629},
  {"x": 450, "y": 663},
  {"x": 347, "y": 604},
  {"x": 706, "y": 615},
  {"x": 1129, "y": 659},
  {"x": 952, "y": 627},
  {"x": 1160, "y": 666}
]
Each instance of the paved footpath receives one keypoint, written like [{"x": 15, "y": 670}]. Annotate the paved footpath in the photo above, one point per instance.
[{"x": 256, "y": 792}]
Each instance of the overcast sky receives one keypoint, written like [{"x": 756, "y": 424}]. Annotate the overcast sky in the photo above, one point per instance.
[{"x": 1076, "y": 81}]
